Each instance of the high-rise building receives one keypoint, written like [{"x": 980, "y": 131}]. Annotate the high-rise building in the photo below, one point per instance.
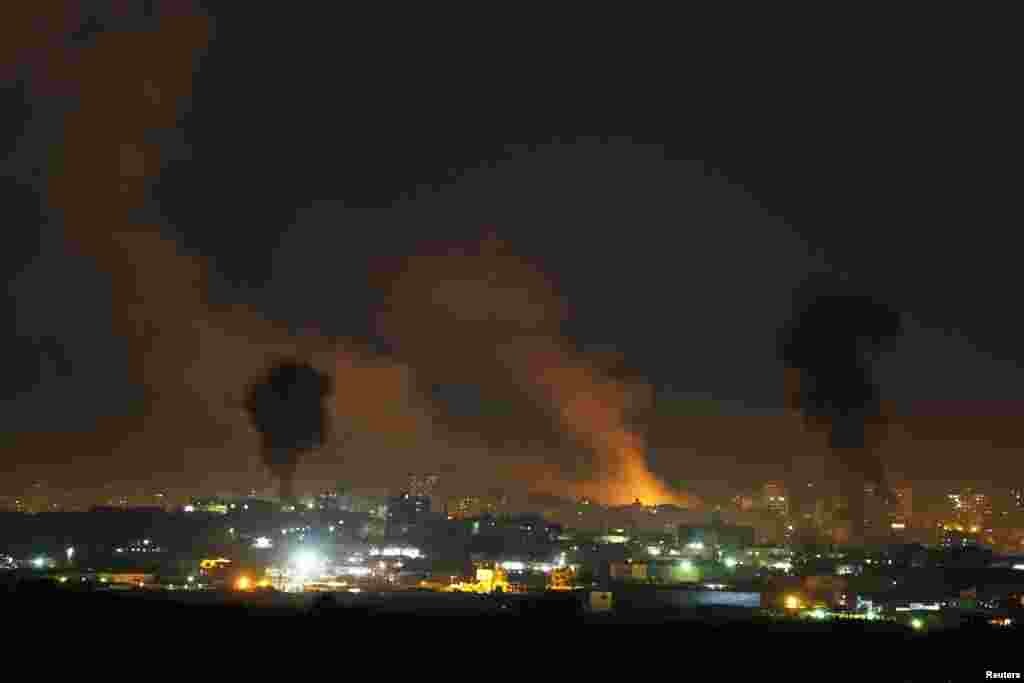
[
  {"x": 774, "y": 498},
  {"x": 971, "y": 509},
  {"x": 877, "y": 513},
  {"x": 903, "y": 510}
]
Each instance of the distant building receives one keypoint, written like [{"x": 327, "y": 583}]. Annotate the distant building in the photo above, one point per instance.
[
  {"x": 466, "y": 507},
  {"x": 971, "y": 509},
  {"x": 405, "y": 513},
  {"x": 904, "y": 509},
  {"x": 717, "y": 536},
  {"x": 774, "y": 498}
]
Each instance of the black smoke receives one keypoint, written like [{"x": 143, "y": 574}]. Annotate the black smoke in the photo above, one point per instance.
[
  {"x": 288, "y": 409},
  {"x": 831, "y": 343}
]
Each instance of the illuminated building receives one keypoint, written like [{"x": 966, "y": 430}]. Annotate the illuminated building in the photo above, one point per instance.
[
  {"x": 878, "y": 513},
  {"x": 971, "y": 509},
  {"x": 466, "y": 507},
  {"x": 774, "y": 498}
]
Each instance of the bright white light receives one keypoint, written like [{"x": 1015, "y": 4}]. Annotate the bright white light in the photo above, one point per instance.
[
  {"x": 191, "y": 579},
  {"x": 145, "y": 541},
  {"x": 916, "y": 624},
  {"x": 513, "y": 566},
  {"x": 654, "y": 550},
  {"x": 355, "y": 590},
  {"x": 70, "y": 552},
  {"x": 356, "y": 571},
  {"x": 696, "y": 545},
  {"x": 784, "y": 566},
  {"x": 331, "y": 528},
  {"x": 730, "y": 562},
  {"x": 686, "y": 565},
  {"x": 306, "y": 562},
  {"x": 39, "y": 562},
  {"x": 190, "y": 508},
  {"x": 263, "y": 542},
  {"x": 1019, "y": 566}
]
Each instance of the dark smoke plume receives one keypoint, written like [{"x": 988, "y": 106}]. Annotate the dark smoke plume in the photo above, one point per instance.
[
  {"x": 287, "y": 408},
  {"x": 829, "y": 348}
]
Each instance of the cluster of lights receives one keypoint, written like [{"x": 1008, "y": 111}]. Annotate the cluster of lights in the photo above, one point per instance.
[{"x": 412, "y": 553}]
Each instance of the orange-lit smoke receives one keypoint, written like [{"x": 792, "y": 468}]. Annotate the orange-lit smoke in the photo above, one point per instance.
[
  {"x": 593, "y": 409},
  {"x": 486, "y": 315},
  {"x": 192, "y": 357}
]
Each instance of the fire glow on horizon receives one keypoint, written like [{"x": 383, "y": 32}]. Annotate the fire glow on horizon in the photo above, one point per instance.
[{"x": 592, "y": 408}]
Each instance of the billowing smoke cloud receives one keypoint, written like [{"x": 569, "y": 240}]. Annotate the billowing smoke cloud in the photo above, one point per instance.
[
  {"x": 287, "y": 408},
  {"x": 488, "y": 317},
  {"x": 829, "y": 347},
  {"x": 191, "y": 356}
]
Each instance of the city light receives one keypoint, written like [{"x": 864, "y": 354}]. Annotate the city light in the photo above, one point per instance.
[
  {"x": 916, "y": 624},
  {"x": 686, "y": 565},
  {"x": 190, "y": 508},
  {"x": 792, "y": 602},
  {"x": 653, "y": 550},
  {"x": 70, "y": 552},
  {"x": 730, "y": 562},
  {"x": 243, "y": 583},
  {"x": 513, "y": 566},
  {"x": 355, "y": 571},
  {"x": 263, "y": 542},
  {"x": 696, "y": 545},
  {"x": 39, "y": 562},
  {"x": 307, "y": 562}
]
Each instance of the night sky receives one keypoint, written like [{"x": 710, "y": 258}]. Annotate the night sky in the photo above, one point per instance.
[{"x": 187, "y": 197}]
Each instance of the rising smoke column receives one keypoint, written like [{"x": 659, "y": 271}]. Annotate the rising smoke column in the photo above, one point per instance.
[
  {"x": 287, "y": 408},
  {"x": 484, "y": 315},
  {"x": 829, "y": 347},
  {"x": 593, "y": 408}
]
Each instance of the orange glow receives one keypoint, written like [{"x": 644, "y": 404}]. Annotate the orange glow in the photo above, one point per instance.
[
  {"x": 243, "y": 583},
  {"x": 593, "y": 408}
]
